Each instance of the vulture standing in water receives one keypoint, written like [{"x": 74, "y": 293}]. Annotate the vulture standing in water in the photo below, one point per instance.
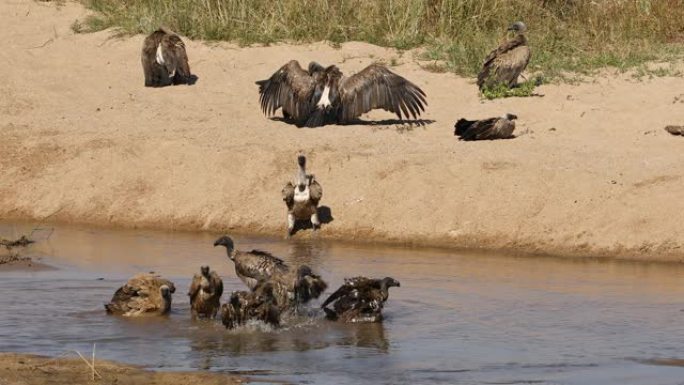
[
  {"x": 486, "y": 129},
  {"x": 302, "y": 197},
  {"x": 290, "y": 287},
  {"x": 164, "y": 59},
  {"x": 144, "y": 294},
  {"x": 322, "y": 95},
  {"x": 504, "y": 64},
  {"x": 259, "y": 305},
  {"x": 359, "y": 299},
  {"x": 205, "y": 293}
]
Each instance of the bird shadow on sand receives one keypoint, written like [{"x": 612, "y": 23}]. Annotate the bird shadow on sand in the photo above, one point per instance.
[
  {"x": 358, "y": 122},
  {"x": 324, "y": 216}
]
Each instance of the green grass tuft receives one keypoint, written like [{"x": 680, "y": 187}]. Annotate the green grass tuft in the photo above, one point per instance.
[{"x": 502, "y": 91}]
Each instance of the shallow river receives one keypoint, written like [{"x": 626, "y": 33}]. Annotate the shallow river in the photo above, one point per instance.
[{"x": 456, "y": 319}]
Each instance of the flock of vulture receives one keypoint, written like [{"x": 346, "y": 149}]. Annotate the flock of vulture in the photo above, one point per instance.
[
  {"x": 319, "y": 95},
  {"x": 309, "y": 97}
]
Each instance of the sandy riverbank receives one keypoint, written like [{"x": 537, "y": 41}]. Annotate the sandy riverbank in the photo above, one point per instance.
[
  {"x": 26, "y": 369},
  {"x": 592, "y": 173}
]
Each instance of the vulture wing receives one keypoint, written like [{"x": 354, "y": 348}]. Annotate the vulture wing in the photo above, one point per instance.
[
  {"x": 506, "y": 62},
  {"x": 480, "y": 129},
  {"x": 315, "y": 191},
  {"x": 343, "y": 291},
  {"x": 195, "y": 287},
  {"x": 291, "y": 88},
  {"x": 217, "y": 284},
  {"x": 288, "y": 194},
  {"x": 378, "y": 87}
]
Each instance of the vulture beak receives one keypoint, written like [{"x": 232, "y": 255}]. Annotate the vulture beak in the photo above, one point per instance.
[{"x": 301, "y": 187}]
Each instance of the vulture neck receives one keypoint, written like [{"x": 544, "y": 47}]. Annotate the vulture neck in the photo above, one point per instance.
[{"x": 301, "y": 176}]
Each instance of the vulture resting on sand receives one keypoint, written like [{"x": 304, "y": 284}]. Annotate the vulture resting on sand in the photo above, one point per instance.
[
  {"x": 164, "y": 59},
  {"x": 486, "y": 129},
  {"x": 359, "y": 299},
  {"x": 301, "y": 198},
  {"x": 144, "y": 294},
  {"x": 289, "y": 286},
  {"x": 322, "y": 95},
  {"x": 259, "y": 305},
  {"x": 504, "y": 64},
  {"x": 205, "y": 293}
]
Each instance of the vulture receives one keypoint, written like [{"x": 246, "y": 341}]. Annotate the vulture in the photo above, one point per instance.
[
  {"x": 322, "y": 95},
  {"x": 164, "y": 59},
  {"x": 205, "y": 293},
  {"x": 289, "y": 286},
  {"x": 675, "y": 130},
  {"x": 359, "y": 299},
  {"x": 504, "y": 64},
  {"x": 301, "y": 197},
  {"x": 259, "y": 305},
  {"x": 144, "y": 294},
  {"x": 486, "y": 129}
]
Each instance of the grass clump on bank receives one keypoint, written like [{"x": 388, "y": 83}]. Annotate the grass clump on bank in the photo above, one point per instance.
[{"x": 565, "y": 35}]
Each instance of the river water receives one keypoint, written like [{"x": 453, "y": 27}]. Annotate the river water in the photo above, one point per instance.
[{"x": 457, "y": 318}]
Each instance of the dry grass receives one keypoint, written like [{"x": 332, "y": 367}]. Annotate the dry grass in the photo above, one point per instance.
[{"x": 565, "y": 35}]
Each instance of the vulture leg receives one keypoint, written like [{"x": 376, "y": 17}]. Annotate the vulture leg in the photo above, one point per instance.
[
  {"x": 290, "y": 224},
  {"x": 315, "y": 223}
]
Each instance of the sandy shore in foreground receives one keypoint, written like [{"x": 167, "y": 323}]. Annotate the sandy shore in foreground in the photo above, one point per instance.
[
  {"x": 592, "y": 172},
  {"x": 26, "y": 369}
]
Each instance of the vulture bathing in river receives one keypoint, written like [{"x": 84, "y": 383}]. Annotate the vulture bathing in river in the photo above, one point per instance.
[
  {"x": 322, "y": 95},
  {"x": 504, "y": 64},
  {"x": 259, "y": 305},
  {"x": 359, "y": 299},
  {"x": 486, "y": 129},
  {"x": 301, "y": 198},
  {"x": 164, "y": 59},
  {"x": 144, "y": 294},
  {"x": 205, "y": 293},
  {"x": 289, "y": 286}
]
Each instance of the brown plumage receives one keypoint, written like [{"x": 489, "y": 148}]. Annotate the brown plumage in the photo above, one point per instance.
[
  {"x": 205, "y": 293},
  {"x": 301, "y": 198},
  {"x": 504, "y": 64},
  {"x": 486, "y": 129},
  {"x": 291, "y": 286},
  {"x": 260, "y": 305},
  {"x": 143, "y": 294},
  {"x": 322, "y": 95},
  {"x": 359, "y": 299},
  {"x": 164, "y": 59},
  {"x": 675, "y": 130}
]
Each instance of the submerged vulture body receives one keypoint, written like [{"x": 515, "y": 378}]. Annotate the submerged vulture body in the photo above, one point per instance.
[
  {"x": 164, "y": 59},
  {"x": 486, "y": 129},
  {"x": 322, "y": 95},
  {"x": 205, "y": 293},
  {"x": 359, "y": 299},
  {"x": 301, "y": 198},
  {"x": 504, "y": 64},
  {"x": 289, "y": 286},
  {"x": 144, "y": 294},
  {"x": 259, "y": 305}
]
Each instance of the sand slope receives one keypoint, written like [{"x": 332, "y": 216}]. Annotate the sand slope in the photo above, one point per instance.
[{"x": 592, "y": 172}]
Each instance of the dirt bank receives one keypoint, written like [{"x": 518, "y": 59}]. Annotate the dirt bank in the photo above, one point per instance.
[
  {"x": 592, "y": 173},
  {"x": 25, "y": 369}
]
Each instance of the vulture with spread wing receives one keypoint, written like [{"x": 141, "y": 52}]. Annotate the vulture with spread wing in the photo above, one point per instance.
[
  {"x": 260, "y": 305},
  {"x": 205, "y": 293},
  {"x": 290, "y": 286},
  {"x": 504, "y": 64},
  {"x": 322, "y": 95},
  {"x": 144, "y": 294},
  {"x": 301, "y": 198},
  {"x": 486, "y": 129},
  {"x": 359, "y": 299}
]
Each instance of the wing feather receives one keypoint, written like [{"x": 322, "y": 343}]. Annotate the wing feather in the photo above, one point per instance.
[
  {"x": 378, "y": 87},
  {"x": 194, "y": 287},
  {"x": 513, "y": 53},
  {"x": 290, "y": 88},
  {"x": 315, "y": 191}
]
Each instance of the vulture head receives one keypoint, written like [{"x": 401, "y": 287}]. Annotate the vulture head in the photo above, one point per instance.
[
  {"x": 518, "y": 27},
  {"x": 390, "y": 282},
  {"x": 509, "y": 116},
  {"x": 205, "y": 271},
  {"x": 228, "y": 243}
]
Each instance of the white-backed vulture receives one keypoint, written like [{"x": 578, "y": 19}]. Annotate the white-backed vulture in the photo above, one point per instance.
[
  {"x": 504, "y": 64},
  {"x": 205, "y": 293},
  {"x": 359, "y": 299},
  {"x": 164, "y": 59},
  {"x": 143, "y": 294},
  {"x": 486, "y": 129},
  {"x": 301, "y": 197},
  {"x": 290, "y": 286},
  {"x": 322, "y": 95}
]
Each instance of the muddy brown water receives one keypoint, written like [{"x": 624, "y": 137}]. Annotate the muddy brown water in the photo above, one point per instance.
[{"x": 456, "y": 319}]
